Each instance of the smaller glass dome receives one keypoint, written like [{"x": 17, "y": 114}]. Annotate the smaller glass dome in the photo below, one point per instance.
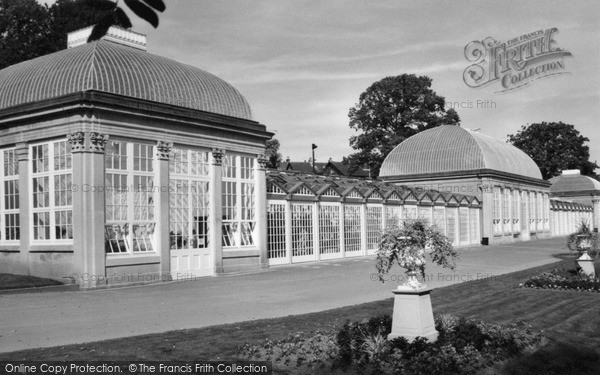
[{"x": 450, "y": 148}]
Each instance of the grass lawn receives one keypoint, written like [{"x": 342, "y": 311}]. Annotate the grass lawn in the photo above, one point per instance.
[
  {"x": 9, "y": 281},
  {"x": 571, "y": 320}
]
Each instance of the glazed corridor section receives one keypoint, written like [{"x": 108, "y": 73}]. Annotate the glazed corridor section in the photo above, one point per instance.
[
  {"x": 156, "y": 191},
  {"x": 311, "y": 218}
]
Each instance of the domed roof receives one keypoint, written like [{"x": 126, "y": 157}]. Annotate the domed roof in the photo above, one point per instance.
[
  {"x": 118, "y": 69},
  {"x": 451, "y": 148},
  {"x": 571, "y": 181}
]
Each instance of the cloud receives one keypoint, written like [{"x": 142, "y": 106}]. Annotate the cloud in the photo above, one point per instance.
[{"x": 304, "y": 76}]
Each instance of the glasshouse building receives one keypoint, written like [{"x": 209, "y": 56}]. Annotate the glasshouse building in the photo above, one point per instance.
[
  {"x": 515, "y": 198},
  {"x": 123, "y": 166},
  {"x": 118, "y": 166}
]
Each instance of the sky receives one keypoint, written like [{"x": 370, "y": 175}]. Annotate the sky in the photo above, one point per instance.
[{"x": 303, "y": 64}]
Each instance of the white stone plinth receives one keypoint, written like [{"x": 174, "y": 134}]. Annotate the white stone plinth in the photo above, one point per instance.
[
  {"x": 413, "y": 315},
  {"x": 587, "y": 264}
]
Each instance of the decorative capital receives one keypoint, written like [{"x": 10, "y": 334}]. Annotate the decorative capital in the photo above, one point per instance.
[
  {"x": 262, "y": 161},
  {"x": 163, "y": 149},
  {"x": 98, "y": 141},
  {"x": 217, "y": 155},
  {"x": 77, "y": 141}
]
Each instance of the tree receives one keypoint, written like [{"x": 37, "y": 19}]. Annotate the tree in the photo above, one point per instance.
[
  {"x": 70, "y": 15},
  {"x": 24, "y": 31},
  {"x": 554, "y": 146},
  {"x": 272, "y": 154},
  {"x": 390, "y": 111},
  {"x": 29, "y": 30},
  {"x": 145, "y": 9}
]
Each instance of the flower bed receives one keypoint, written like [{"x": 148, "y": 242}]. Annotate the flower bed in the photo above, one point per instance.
[
  {"x": 549, "y": 280},
  {"x": 463, "y": 347},
  {"x": 569, "y": 278}
]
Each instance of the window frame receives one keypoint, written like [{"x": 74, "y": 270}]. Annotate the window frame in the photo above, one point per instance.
[
  {"x": 242, "y": 175},
  {"x": 131, "y": 175},
  {"x": 52, "y": 173},
  {"x": 4, "y": 211}
]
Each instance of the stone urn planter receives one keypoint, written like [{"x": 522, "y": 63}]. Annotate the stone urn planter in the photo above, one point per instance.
[
  {"x": 582, "y": 240},
  {"x": 405, "y": 246}
]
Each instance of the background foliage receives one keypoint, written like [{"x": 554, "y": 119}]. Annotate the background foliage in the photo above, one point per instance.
[
  {"x": 390, "y": 111},
  {"x": 554, "y": 146}
]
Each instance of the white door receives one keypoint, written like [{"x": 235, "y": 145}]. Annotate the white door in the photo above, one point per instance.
[{"x": 191, "y": 254}]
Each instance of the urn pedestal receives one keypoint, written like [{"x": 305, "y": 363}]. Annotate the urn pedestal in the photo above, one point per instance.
[
  {"x": 413, "y": 315},
  {"x": 587, "y": 264}
]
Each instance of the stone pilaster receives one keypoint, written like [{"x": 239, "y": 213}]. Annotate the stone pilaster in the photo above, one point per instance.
[
  {"x": 163, "y": 151},
  {"x": 525, "y": 215},
  {"x": 88, "y": 207},
  {"x": 363, "y": 229},
  {"x": 261, "y": 210},
  {"x": 22, "y": 151},
  {"x": 215, "y": 226},
  {"x": 596, "y": 213},
  {"x": 487, "y": 210}
]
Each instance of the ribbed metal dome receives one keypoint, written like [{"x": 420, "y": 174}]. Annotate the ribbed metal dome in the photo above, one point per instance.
[
  {"x": 573, "y": 183},
  {"x": 451, "y": 148},
  {"x": 117, "y": 69}
]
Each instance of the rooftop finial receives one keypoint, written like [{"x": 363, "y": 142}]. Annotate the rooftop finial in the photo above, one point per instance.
[{"x": 115, "y": 34}]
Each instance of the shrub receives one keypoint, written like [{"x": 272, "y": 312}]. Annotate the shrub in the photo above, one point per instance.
[{"x": 463, "y": 347}]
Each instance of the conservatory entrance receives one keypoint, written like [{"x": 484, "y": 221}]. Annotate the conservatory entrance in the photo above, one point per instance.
[{"x": 190, "y": 250}]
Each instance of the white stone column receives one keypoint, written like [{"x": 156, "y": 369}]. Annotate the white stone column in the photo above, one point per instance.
[
  {"x": 317, "y": 231},
  {"x": 261, "y": 211},
  {"x": 595, "y": 206},
  {"x": 215, "y": 226},
  {"x": 288, "y": 229},
  {"x": 88, "y": 207},
  {"x": 487, "y": 210},
  {"x": 162, "y": 232},
  {"x": 22, "y": 151},
  {"x": 363, "y": 228},
  {"x": 342, "y": 234}
]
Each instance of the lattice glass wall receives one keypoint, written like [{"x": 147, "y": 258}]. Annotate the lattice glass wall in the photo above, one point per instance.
[
  {"x": 497, "y": 214},
  {"x": 516, "y": 213},
  {"x": 276, "y": 243},
  {"x": 451, "y": 223},
  {"x": 302, "y": 229},
  {"x": 463, "y": 224},
  {"x": 9, "y": 189},
  {"x": 130, "y": 200},
  {"x": 329, "y": 229},
  {"x": 506, "y": 211},
  {"x": 425, "y": 214},
  {"x": 393, "y": 216},
  {"x": 532, "y": 210},
  {"x": 546, "y": 214},
  {"x": 51, "y": 181},
  {"x": 524, "y": 208},
  {"x": 374, "y": 226},
  {"x": 352, "y": 228},
  {"x": 474, "y": 225},
  {"x": 439, "y": 219}
]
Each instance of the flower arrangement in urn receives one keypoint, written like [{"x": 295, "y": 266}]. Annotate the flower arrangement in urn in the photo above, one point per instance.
[
  {"x": 584, "y": 239},
  {"x": 407, "y": 245}
]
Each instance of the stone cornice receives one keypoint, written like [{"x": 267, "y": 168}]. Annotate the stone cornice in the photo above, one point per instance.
[
  {"x": 99, "y": 101},
  {"x": 460, "y": 175}
]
